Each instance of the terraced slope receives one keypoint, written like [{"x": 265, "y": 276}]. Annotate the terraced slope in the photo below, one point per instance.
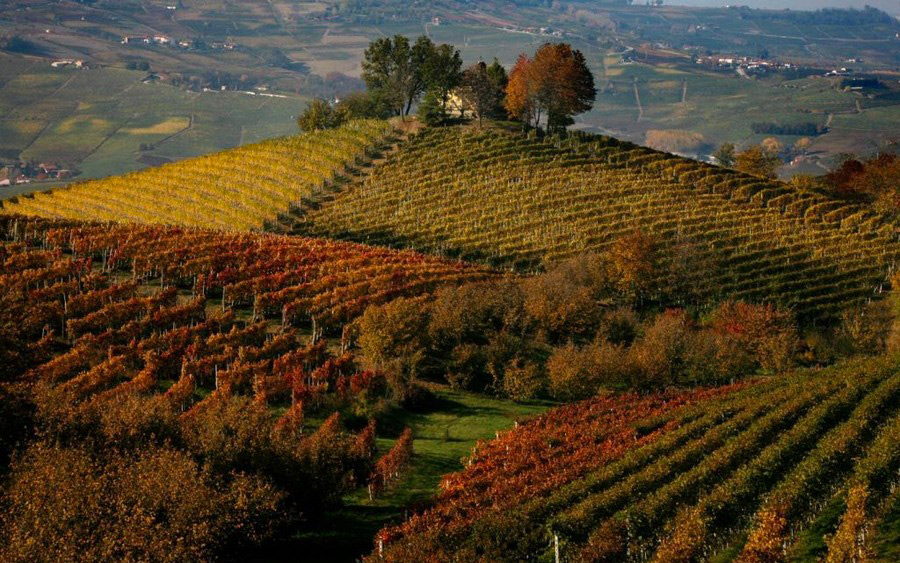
[
  {"x": 506, "y": 199},
  {"x": 239, "y": 189},
  {"x": 730, "y": 478}
]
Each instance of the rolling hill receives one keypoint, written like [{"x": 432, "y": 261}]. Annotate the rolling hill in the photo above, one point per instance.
[
  {"x": 238, "y": 189},
  {"x": 754, "y": 474},
  {"x": 502, "y": 198},
  {"x": 230, "y": 348}
]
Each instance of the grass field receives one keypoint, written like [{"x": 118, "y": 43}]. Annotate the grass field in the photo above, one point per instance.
[
  {"x": 443, "y": 436},
  {"x": 96, "y": 120}
]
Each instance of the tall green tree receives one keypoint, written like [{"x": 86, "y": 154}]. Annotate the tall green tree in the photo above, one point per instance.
[
  {"x": 397, "y": 73},
  {"x": 388, "y": 71},
  {"x": 496, "y": 73},
  {"x": 442, "y": 72},
  {"x": 422, "y": 53}
]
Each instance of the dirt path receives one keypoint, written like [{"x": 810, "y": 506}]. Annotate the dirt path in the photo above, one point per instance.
[
  {"x": 190, "y": 126},
  {"x": 637, "y": 98},
  {"x": 684, "y": 91},
  {"x": 350, "y": 178}
]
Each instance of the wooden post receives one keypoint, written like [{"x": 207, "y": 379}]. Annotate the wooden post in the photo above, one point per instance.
[{"x": 556, "y": 548}]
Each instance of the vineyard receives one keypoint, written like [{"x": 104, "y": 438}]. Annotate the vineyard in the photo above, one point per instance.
[
  {"x": 239, "y": 189},
  {"x": 510, "y": 200},
  {"x": 197, "y": 313},
  {"x": 736, "y": 474}
]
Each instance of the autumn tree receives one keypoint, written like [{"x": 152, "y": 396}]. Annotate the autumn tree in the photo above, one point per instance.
[
  {"x": 801, "y": 146},
  {"x": 758, "y": 161},
  {"x": 772, "y": 146},
  {"x": 553, "y": 86},
  {"x": 392, "y": 339},
  {"x": 635, "y": 264},
  {"x": 520, "y": 92},
  {"x": 766, "y": 332},
  {"x": 876, "y": 180},
  {"x": 158, "y": 504}
]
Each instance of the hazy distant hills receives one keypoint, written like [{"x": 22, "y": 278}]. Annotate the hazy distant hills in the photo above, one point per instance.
[{"x": 890, "y": 6}]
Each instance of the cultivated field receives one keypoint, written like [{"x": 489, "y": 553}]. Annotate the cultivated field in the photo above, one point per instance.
[
  {"x": 508, "y": 200},
  {"x": 95, "y": 120},
  {"x": 239, "y": 189},
  {"x": 759, "y": 474}
]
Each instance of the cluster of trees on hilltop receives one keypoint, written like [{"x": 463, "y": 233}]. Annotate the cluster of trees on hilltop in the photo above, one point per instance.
[{"x": 546, "y": 89}]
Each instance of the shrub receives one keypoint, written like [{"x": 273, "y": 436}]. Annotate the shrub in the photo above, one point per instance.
[
  {"x": 578, "y": 373},
  {"x": 564, "y": 301},
  {"x": 523, "y": 381},
  {"x": 71, "y": 504},
  {"x": 661, "y": 354},
  {"x": 865, "y": 329},
  {"x": 572, "y": 373},
  {"x": 619, "y": 326},
  {"x": 769, "y": 334},
  {"x": 393, "y": 340}
]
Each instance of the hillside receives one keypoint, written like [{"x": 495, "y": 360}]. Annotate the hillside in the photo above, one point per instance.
[
  {"x": 736, "y": 477},
  {"x": 186, "y": 348},
  {"x": 505, "y": 199},
  {"x": 238, "y": 189},
  {"x": 290, "y": 279},
  {"x": 132, "y": 296}
]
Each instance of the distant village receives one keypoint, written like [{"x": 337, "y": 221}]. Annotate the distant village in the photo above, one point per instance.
[
  {"x": 539, "y": 31},
  {"x": 749, "y": 65},
  {"x": 182, "y": 44},
  {"x": 27, "y": 172}
]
